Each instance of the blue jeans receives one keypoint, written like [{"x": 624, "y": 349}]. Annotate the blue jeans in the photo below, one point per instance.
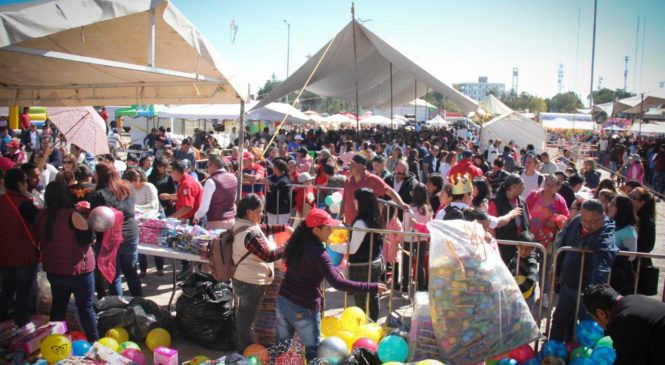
[
  {"x": 247, "y": 298},
  {"x": 126, "y": 262},
  {"x": 563, "y": 321},
  {"x": 17, "y": 283},
  {"x": 292, "y": 317},
  {"x": 83, "y": 288}
]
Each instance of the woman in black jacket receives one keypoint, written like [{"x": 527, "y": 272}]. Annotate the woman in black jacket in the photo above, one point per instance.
[{"x": 645, "y": 208}]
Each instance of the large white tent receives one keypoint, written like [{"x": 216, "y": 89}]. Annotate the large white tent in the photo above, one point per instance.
[
  {"x": 271, "y": 112},
  {"x": 336, "y": 77},
  {"x": 516, "y": 127},
  {"x": 100, "y": 52},
  {"x": 495, "y": 106},
  {"x": 561, "y": 123},
  {"x": 652, "y": 128}
]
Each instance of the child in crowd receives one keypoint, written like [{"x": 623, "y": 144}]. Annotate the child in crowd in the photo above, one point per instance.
[{"x": 527, "y": 273}]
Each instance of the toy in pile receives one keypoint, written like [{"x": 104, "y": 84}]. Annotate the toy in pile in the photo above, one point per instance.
[{"x": 173, "y": 234}]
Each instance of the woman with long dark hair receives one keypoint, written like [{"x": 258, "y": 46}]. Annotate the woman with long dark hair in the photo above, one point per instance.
[
  {"x": 622, "y": 211},
  {"x": 365, "y": 257},
  {"x": 481, "y": 193},
  {"x": 508, "y": 203},
  {"x": 434, "y": 186},
  {"x": 299, "y": 301},
  {"x": 67, "y": 257},
  {"x": 115, "y": 193},
  {"x": 645, "y": 208}
]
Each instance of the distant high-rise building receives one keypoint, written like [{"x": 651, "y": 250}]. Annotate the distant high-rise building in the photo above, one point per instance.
[{"x": 479, "y": 90}]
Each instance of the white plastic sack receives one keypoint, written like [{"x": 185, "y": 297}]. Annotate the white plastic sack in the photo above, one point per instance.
[{"x": 477, "y": 308}]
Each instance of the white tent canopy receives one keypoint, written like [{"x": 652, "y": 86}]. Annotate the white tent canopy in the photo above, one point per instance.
[
  {"x": 272, "y": 112},
  {"x": 653, "y": 128},
  {"x": 495, "y": 106},
  {"x": 98, "y": 52},
  {"x": 516, "y": 127},
  {"x": 635, "y": 104},
  {"x": 336, "y": 76},
  {"x": 438, "y": 121},
  {"x": 561, "y": 123}
]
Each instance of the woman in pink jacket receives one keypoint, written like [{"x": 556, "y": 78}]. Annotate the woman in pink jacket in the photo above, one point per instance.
[{"x": 635, "y": 170}]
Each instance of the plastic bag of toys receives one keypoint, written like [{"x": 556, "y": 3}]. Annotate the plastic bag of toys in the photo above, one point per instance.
[{"x": 478, "y": 310}]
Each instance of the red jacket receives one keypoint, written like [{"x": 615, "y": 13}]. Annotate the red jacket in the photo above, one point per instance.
[
  {"x": 63, "y": 255},
  {"x": 465, "y": 167},
  {"x": 16, "y": 246}
]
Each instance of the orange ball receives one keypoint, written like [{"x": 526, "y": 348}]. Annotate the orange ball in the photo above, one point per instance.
[{"x": 257, "y": 350}]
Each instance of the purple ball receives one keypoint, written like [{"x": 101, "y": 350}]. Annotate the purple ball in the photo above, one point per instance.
[{"x": 101, "y": 219}]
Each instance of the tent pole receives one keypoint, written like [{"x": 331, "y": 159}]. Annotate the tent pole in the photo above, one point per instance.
[
  {"x": 152, "y": 40},
  {"x": 415, "y": 101},
  {"x": 355, "y": 64},
  {"x": 593, "y": 52},
  {"x": 639, "y": 133},
  {"x": 241, "y": 143},
  {"x": 392, "y": 125}
]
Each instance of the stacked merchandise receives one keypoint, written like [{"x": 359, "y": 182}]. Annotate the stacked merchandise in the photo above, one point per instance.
[
  {"x": 422, "y": 341},
  {"x": 265, "y": 323}
]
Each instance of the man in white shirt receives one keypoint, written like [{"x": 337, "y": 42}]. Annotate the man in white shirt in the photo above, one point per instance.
[
  {"x": 219, "y": 196},
  {"x": 547, "y": 166},
  {"x": 532, "y": 178},
  {"x": 494, "y": 151}
]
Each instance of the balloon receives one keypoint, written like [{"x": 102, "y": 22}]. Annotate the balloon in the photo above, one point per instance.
[
  {"x": 534, "y": 361},
  {"x": 429, "y": 362},
  {"x": 258, "y": 351},
  {"x": 365, "y": 343},
  {"x": 55, "y": 348},
  {"x": 522, "y": 353},
  {"x": 370, "y": 330},
  {"x": 158, "y": 337},
  {"x": 555, "y": 348},
  {"x": 507, "y": 361},
  {"x": 605, "y": 341},
  {"x": 333, "y": 350},
  {"x": 338, "y": 236},
  {"x": 200, "y": 359},
  {"x": 281, "y": 238},
  {"x": 604, "y": 355},
  {"x": 393, "y": 348},
  {"x": 118, "y": 333},
  {"x": 347, "y": 336},
  {"x": 129, "y": 345},
  {"x": 553, "y": 360},
  {"x": 589, "y": 333},
  {"x": 77, "y": 335},
  {"x": 334, "y": 208},
  {"x": 581, "y": 352},
  {"x": 581, "y": 361},
  {"x": 110, "y": 343},
  {"x": 252, "y": 360},
  {"x": 135, "y": 355},
  {"x": 101, "y": 219},
  {"x": 335, "y": 257},
  {"x": 330, "y": 325},
  {"x": 80, "y": 347},
  {"x": 570, "y": 346},
  {"x": 329, "y": 200},
  {"x": 352, "y": 317}
]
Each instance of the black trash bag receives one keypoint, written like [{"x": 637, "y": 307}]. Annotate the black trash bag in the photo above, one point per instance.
[
  {"x": 205, "y": 312},
  {"x": 114, "y": 317},
  {"x": 161, "y": 316},
  {"x": 112, "y": 301},
  {"x": 143, "y": 323}
]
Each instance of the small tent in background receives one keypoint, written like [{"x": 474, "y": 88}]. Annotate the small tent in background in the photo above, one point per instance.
[{"x": 516, "y": 127}]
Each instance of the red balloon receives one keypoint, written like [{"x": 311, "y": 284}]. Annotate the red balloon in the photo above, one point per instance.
[
  {"x": 281, "y": 238},
  {"x": 365, "y": 343},
  {"x": 570, "y": 346},
  {"x": 523, "y": 353},
  {"x": 77, "y": 335}
]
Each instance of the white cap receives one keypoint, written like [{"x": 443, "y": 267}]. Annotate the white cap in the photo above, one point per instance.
[
  {"x": 299, "y": 137},
  {"x": 305, "y": 176}
]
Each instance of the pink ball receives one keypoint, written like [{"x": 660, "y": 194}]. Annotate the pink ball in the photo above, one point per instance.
[
  {"x": 135, "y": 355},
  {"x": 365, "y": 343},
  {"x": 101, "y": 219}
]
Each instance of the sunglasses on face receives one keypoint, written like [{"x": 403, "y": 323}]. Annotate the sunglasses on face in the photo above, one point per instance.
[{"x": 67, "y": 162}]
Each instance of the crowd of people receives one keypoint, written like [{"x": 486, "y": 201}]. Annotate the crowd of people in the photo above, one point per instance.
[{"x": 398, "y": 179}]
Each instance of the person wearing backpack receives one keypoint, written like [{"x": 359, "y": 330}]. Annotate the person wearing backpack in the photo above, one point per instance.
[{"x": 253, "y": 255}]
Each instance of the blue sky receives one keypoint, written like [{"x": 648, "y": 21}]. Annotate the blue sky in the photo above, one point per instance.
[{"x": 456, "y": 41}]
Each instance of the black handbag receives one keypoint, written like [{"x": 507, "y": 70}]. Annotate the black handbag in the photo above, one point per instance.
[{"x": 648, "y": 280}]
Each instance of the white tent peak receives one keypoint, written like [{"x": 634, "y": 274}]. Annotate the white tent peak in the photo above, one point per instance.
[
  {"x": 514, "y": 126},
  {"x": 493, "y": 105},
  {"x": 336, "y": 76}
]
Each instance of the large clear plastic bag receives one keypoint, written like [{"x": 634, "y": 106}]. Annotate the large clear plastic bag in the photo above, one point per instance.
[{"x": 477, "y": 308}]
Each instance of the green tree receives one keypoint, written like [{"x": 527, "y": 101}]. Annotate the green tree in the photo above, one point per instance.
[
  {"x": 524, "y": 102},
  {"x": 565, "y": 103},
  {"x": 606, "y": 95},
  {"x": 268, "y": 87}
]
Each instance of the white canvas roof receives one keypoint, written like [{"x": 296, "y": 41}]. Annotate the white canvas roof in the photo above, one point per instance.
[
  {"x": 561, "y": 123},
  {"x": 495, "y": 106},
  {"x": 635, "y": 104},
  {"x": 100, "y": 52},
  {"x": 272, "y": 112},
  {"x": 648, "y": 128},
  {"x": 514, "y": 126},
  {"x": 336, "y": 75}
]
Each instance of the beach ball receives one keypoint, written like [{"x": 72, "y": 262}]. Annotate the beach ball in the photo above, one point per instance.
[
  {"x": 347, "y": 336},
  {"x": 352, "y": 318},
  {"x": 258, "y": 351},
  {"x": 333, "y": 350},
  {"x": 135, "y": 355},
  {"x": 158, "y": 337},
  {"x": 393, "y": 348},
  {"x": 129, "y": 345},
  {"x": 372, "y": 331},
  {"x": 80, "y": 347},
  {"x": 604, "y": 355},
  {"x": 200, "y": 359},
  {"x": 555, "y": 348},
  {"x": 110, "y": 343},
  {"x": 589, "y": 333},
  {"x": 330, "y": 325},
  {"x": 365, "y": 343},
  {"x": 55, "y": 348},
  {"x": 118, "y": 333},
  {"x": 101, "y": 219},
  {"x": 605, "y": 341}
]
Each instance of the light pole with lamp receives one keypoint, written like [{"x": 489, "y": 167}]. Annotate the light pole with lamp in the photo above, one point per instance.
[{"x": 288, "y": 50}]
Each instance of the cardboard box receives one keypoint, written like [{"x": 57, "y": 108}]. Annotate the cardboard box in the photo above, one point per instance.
[{"x": 165, "y": 356}]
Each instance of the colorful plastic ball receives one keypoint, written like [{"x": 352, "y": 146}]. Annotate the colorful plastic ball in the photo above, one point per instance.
[
  {"x": 352, "y": 318},
  {"x": 347, "y": 336},
  {"x": 507, "y": 361},
  {"x": 603, "y": 355},
  {"x": 605, "y": 341},
  {"x": 581, "y": 361},
  {"x": 110, "y": 343},
  {"x": 55, "y": 348},
  {"x": 365, "y": 343},
  {"x": 393, "y": 348},
  {"x": 80, "y": 347},
  {"x": 330, "y": 325},
  {"x": 555, "y": 348},
  {"x": 335, "y": 257},
  {"x": 252, "y": 360},
  {"x": 491, "y": 362},
  {"x": 429, "y": 362},
  {"x": 581, "y": 352},
  {"x": 329, "y": 200},
  {"x": 257, "y": 350},
  {"x": 119, "y": 334},
  {"x": 281, "y": 238},
  {"x": 333, "y": 350},
  {"x": 135, "y": 355},
  {"x": 77, "y": 335},
  {"x": 200, "y": 359},
  {"x": 589, "y": 333},
  {"x": 570, "y": 346},
  {"x": 158, "y": 337},
  {"x": 101, "y": 219},
  {"x": 553, "y": 360},
  {"x": 522, "y": 353},
  {"x": 129, "y": 345},
  {"x": 372, "y": 331},
  {"x": 534, "y": 361}
]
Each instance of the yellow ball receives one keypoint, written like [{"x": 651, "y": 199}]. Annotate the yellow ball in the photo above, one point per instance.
[
  {"x": 347, "y": 336},
  {"x": 110, "y": 343},
  {"x": 330, "y": 325},
  {"x": 429, "y": 362},
  {"x": 55, "y": 348},
  {"x": 119, "y": 334},
  {"x": 200, "y": 359},
  {"x": 158, "y": 337},
  {"x": 370, "y": 330},
  {"x": 352, "y": 317}
]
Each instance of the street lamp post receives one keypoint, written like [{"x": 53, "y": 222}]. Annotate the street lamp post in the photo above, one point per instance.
[{"x": 288, "y": 50}]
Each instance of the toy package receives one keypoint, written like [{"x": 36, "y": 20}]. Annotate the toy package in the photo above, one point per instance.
[
  {"x": 477, "y": 310},
  {"x": 422, "y": 341}
]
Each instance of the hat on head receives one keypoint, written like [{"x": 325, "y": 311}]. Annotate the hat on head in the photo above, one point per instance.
[
  {"x": 247, "y": 155},
  {"x": 298, "y": 137},
  {"x": 467, "y": 154},
  {"x": 319, "y": 217},
  {"x": 305, "y": 176},
  {"x": 303, "y": 150},
  {"x": 462, "y": 184},
  {"x": 635, "y": 157},
  {"x": 359, "y": 159},
  {"x": 13, "y": 144}
]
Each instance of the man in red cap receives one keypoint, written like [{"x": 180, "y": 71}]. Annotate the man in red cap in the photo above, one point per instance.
[
  {"x": 14, "y": 152},
  {"x": 253, "y": 175}
]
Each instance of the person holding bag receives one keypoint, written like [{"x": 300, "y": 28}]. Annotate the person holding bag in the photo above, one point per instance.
[{"x": 68, "y": 259}]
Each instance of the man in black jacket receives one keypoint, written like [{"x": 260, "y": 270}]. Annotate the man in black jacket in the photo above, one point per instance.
[
  {"x": 569, "y": 188},
  {"x": 635, "y": 323},
  {"x": 402, "y": 181}
]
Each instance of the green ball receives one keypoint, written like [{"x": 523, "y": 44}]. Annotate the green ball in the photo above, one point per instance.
[
  {"x": 252, "y": 360},
  {"x": 581, "y": 352},
  {"x": 605, "y": 341}
]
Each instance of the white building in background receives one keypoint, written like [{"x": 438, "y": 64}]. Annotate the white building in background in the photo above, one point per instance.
[{"x": 479, "y": 90}]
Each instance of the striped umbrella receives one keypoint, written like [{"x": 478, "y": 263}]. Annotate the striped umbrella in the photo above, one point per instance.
[{"x": 81, "y": 126}]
